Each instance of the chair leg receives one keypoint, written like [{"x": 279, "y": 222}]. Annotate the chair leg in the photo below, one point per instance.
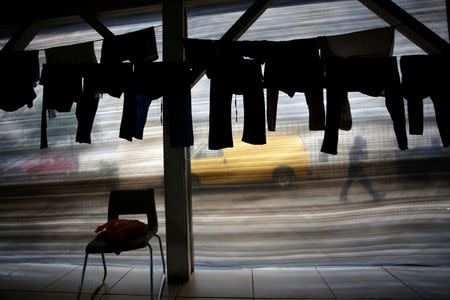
[
  {"x": 104, "y": 267},
  {"x": 162, "y": 254},
  {"x": 151, "y": 270},
  {"x": 163, "y": 280},
  {"x": 82, "y": 275}
]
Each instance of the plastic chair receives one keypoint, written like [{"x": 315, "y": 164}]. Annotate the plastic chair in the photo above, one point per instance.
[{"x": 125, "y": 202}]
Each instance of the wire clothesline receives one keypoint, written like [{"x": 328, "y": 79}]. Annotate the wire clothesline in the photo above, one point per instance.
[{"x": 89, "y": 41}]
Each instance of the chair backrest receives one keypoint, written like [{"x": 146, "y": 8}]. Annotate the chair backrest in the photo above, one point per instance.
[{"x": 126, "y": 202}]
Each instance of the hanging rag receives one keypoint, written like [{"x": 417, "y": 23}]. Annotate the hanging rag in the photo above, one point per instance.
[
  {"x": 371, "y": 76},
  {"x": 137, "y": 47},
  {"x": 426, "y": 76},
  {"x": 377, "y": 42},
  {"x": 62, "y": 78},
  {"x": 19, "y": 74}
]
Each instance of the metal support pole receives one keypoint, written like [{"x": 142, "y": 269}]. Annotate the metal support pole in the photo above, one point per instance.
[{"x": 176, "y": 160}]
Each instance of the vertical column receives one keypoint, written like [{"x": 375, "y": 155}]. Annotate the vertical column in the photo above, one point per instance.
[{"x": 177, "y": 188}]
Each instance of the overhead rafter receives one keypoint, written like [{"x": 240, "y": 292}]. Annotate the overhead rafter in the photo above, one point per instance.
[
  {"x": 240, "y": 27},
  {"x": 21, "y": 39},
  {"x": 409, "y": 26},
  {"x": 98, "y": 26}
]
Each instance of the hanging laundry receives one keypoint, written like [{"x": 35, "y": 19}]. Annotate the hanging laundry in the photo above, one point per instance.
[
  {"x": 377, "y": 42},
  {"x": 137, "y": 47},
  {"x": 62, "y": 78},
  {"x": 242, "y": 77},
  {"x": 19, "y": 75},
  {"x": 231, "y": 74},
  {"x": 371, "y": 76},
  {"x": 426, "y": 76},
  {"x": 295, "y": 66},
  {"x": 150, "y": 82},
  {"x": 86, "y": 109},
  {"x": 109, "y": 78}
]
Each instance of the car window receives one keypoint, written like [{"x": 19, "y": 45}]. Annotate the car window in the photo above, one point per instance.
[{"x": 206, "y": 152}]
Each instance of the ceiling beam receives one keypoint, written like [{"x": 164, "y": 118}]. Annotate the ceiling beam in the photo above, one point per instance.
[
  {"x": 98, "y": 26},
  {"x": 239, "y": 28},
  {"x": 20, "y": 40},
  {"x": 407, "y": 25}
]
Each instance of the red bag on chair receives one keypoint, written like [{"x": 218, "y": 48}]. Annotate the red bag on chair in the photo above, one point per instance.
[{"x": 118, "y": 231}]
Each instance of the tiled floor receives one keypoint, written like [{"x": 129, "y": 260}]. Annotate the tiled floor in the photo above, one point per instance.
[{"x": 52, "y": 281}]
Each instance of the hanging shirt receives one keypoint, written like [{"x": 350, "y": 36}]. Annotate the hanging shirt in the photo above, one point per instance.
[{"x": 18, "y": 77}]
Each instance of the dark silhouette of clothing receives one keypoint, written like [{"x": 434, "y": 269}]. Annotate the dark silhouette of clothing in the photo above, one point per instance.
[
  {"x": 426, "y": 76},
  {"x": 19, "y": 74},
  {"x": 370, "y": 76},
  {"x": 358, "y": 154},
  {"x": 377, "y": 42}
]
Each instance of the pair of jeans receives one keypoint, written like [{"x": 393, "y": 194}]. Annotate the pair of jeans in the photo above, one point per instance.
[
  {"x": 426, "y": 76},
  {"x": 243, "y": 77},
  {"x": 152, "y": 81},
  {"x": 295, "y": 66},
  {"x": 370, "y": 76},
  {"x": 377, "y": 42}
]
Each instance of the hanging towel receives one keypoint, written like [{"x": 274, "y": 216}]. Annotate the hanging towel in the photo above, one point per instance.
[
  {"x": 19, "y": 74},
  {"x": 426, "y": 76},
  {"x": 377, "y": 42},
  {"x": 371, "y": 76},
  {"x": 137, "y": 47}
]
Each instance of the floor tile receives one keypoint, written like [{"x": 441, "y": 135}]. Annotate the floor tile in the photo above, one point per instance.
[
  {"x": 365, "y": 282},
  {"x": 21, "y": 295},
  {"x": 290, "y": 283},
  {"x": 92, "y": 280},
  {"x": 137, "y": 282},
  {"x": 6, "y": 269},
  {"x": 132, "y": 297},
  {"x": 219, "y": 283},
  {"x": 34, "y": 277},
  {"x": 428, "y": 282}
]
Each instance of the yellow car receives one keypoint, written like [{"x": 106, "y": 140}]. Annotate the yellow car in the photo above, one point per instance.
[{"x": 282, "y": 160}]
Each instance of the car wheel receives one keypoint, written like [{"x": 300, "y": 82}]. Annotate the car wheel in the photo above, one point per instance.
[{"x": 283, "y": 176}]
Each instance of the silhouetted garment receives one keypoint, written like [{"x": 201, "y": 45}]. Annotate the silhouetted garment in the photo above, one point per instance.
[
  {"x": 427, "y": 76},
  {"x": 62, "y": 78},
  {"x": 295, "y": 66},
  {"x": 150, "y": 82},
  {"x": 86, "y": 109},
  {"x": 19, "y": 74},
  {"x": 371, "y": 76},
  {"x": 110, "y": 78},
  {"x": 243, "y": 77},
  {"x": 377, "y": 42},
  {"x": 137, "y": 47}
]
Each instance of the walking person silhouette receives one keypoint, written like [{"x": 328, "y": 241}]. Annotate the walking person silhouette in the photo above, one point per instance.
[{"x": 358, "y": 153}]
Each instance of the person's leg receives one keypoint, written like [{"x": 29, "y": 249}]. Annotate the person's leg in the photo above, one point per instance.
[
  {"x": 368, "y": 186},
  {"x": 345, "y": 188}
]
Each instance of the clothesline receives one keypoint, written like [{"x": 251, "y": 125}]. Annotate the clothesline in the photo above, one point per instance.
[{"x": 90, "y": 41}]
